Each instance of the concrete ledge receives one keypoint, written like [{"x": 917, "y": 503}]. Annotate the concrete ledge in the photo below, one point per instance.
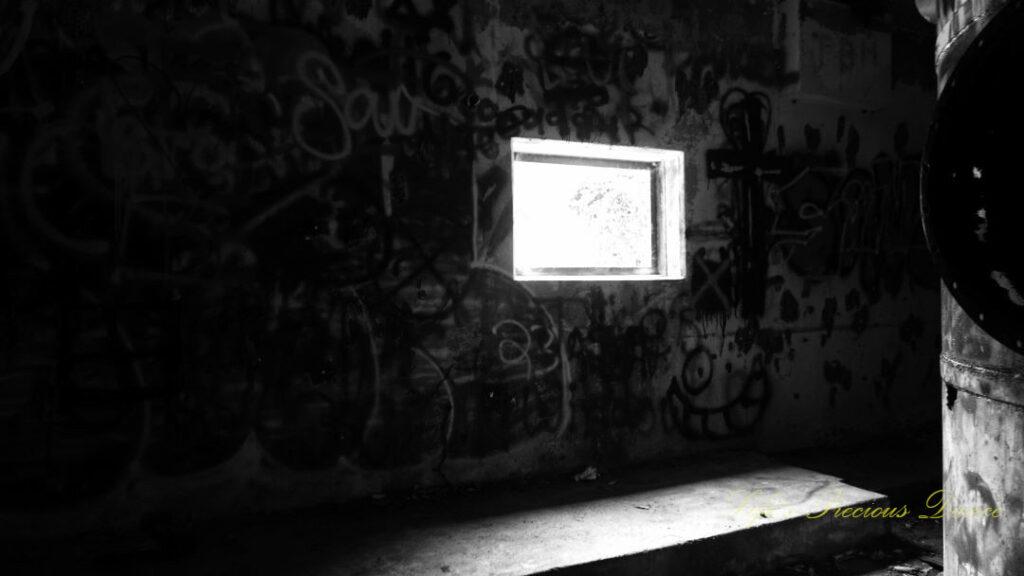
[{"x": 749, "y": 513}]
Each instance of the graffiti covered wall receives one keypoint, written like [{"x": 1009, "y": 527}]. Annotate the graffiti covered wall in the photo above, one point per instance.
[{"x": 255, "y": 253}]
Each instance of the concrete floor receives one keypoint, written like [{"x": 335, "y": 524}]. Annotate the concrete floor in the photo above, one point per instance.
[
  {"x": 735, "y": 513},
  {"x": 908, "y": 470},
  {"x": 913, "y": 549}
]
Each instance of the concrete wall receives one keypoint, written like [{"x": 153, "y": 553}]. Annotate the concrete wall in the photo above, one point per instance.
[{"x": 256, "y": 252}]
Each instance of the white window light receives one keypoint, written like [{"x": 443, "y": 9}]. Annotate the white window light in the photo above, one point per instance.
[{"x": 585, "y": 211}]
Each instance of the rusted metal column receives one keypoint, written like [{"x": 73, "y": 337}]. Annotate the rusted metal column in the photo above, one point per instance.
[
  {"x": 983, "y": 412},
  {"x": 983, "y": 449}
]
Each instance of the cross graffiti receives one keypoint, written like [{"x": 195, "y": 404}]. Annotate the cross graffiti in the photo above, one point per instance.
[
  {"x": 713, "y": 282},
  {"x": 745, "y": 119}
]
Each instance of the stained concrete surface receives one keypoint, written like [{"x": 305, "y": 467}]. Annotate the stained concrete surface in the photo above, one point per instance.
[{"x": 310, "y": 319}]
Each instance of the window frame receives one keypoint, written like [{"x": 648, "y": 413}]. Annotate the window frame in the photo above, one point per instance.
[{"x": 667, "y": 211}]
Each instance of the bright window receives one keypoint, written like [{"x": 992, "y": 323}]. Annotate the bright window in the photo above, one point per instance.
[{"x": 595, "y": 212}]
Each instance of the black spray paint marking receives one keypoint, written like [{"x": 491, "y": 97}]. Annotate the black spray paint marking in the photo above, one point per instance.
[
  {"x": 828, "y": 318},
  {"x": 837, "y": 373},
  {"x": 812, "y": 138},
  {"x": 790, "y": 307}
]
